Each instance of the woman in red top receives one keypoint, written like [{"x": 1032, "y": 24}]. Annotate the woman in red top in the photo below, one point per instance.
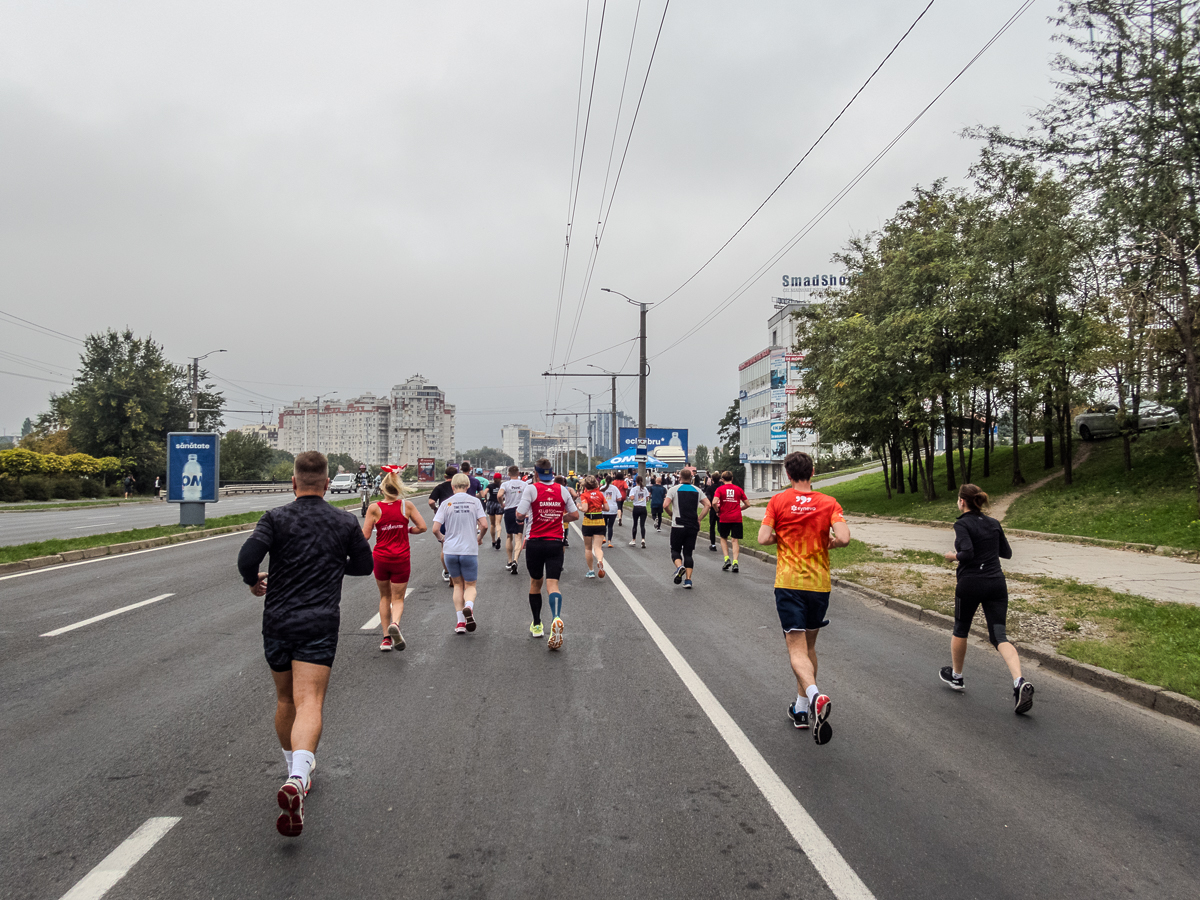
[
  {"x": 393, "y": 519},
  {"x": 594, "y": 506}
]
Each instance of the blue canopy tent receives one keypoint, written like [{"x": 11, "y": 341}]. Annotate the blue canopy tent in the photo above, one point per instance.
[{"x": 628, "y": 460}]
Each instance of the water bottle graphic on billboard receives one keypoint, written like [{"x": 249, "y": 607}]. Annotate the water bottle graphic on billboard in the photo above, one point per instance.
[{"x": 193, "y": 480}]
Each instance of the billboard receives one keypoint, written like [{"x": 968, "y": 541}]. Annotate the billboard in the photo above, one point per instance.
[
  {"x": 425, "y": 469},
  {"x": 778, "y": 440},
  {"x": 193, "y": 467},
  {"x": 668, "y": 444},
  {"x": 778, "y": 370}
]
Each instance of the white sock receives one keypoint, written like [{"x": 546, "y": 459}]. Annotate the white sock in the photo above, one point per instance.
[
  {"x": 956, "y": 674},
  {"x": 287, "y": 757},
  {"x": 462, "y": 618},
  {"x": 302, "y": 763},
  {"x": 801, "y": 703},
  {"x": 812, "y": 692},
  {"x": 470, "y": 604},
  {"x": 1016, "y": 682}
]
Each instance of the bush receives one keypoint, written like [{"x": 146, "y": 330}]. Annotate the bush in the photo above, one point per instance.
[
  {"x": 115, "y": 490},
  {"x": 35, "y": 487},
  {"x": 10, "y": 490},
  {"x": 91, "y": 489},
  {"x": 65, "y": 489}
]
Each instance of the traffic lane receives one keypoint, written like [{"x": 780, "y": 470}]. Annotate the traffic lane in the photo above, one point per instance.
[
  {"x": 926, "y": 791},
  {"x": 27, "y": 527},
  {"x": 212, "y": 744}
]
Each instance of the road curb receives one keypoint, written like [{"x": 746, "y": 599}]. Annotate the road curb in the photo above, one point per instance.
[
  {"x": 1151, "y": 696},
  {"x": 40, "y": 562}
]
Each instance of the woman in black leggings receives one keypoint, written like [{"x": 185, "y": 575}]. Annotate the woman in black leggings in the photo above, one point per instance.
[
  {"x": 638, "y": 494},
  {"x": 979, "y": 544}
]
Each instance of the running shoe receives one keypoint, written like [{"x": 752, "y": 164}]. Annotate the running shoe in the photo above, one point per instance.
[
  {"x": 687, "y": 583},
  {"x": 799, "y": 719},
  {"x": 633, "y": 543},
  {"x": 536, "y": 630},
  {"x": 728, "y": 563},
  {"x": 600, "y": 570},
  {"x": 735, "y": 568},
  {"x": 589, "y": 574},
  {"x": 1023, "y": 697},
  {"x": 460, "y": 628},
  {"x": 445, "y": 576},
  {"x": 819, "y": 716},
  {"x": 397, "y": 637},
  {"x": 469, "y": 615},
  {"x": 556, "y": 634},
  {"x": 386, "y": 644},
  {"x": 609, "y": 543},
  {"x": 496, "y": 544},
  {"x": 291, "y": 800},
  {"x": 512, "y": 567},
  {"x": 947, "y": 675},
  {"x": 679, "y": 575},
  {"x": 643, "y": 543},
  {"x": 712, "y": 547}
]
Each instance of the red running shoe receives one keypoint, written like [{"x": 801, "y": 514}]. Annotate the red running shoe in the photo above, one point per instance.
[
  {"x": 291, "y": 800},
  {"x": 460, "y": 628},
  {"x": 818, "y": 718}
]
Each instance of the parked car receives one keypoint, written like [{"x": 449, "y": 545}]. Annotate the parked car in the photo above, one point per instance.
[
  {"x": 1101, "y": 421},
  {"x": 342, "y": 482}
]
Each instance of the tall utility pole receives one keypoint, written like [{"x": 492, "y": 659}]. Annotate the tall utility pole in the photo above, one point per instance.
[
  {"x": 319, "y": 396},
  {"x": 589, "y": 421},
  {"x": 194, "y": 422},
  {"x": 616, "y": 450},
  {"x": 607, "y": 374},
  {"x": 643, "y": 371}
]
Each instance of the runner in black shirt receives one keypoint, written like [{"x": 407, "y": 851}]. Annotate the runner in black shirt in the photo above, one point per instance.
[
  {"x": 312, "y": 546},
  {"x": 437, "y": 497}
]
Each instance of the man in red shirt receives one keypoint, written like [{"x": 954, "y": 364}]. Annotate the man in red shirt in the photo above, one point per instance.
[
  {"x": 730, "y": 500},
  {"x": 549, "y": 507},
  {"x": 799, "y": 520}
]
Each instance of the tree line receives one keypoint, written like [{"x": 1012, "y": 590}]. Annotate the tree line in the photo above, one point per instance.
[{"x": 1067, "y": 270}]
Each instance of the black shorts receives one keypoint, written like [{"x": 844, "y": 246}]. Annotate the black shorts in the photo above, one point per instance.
[
  {"x": 544, "y": 558},
  {"x": 494, "y": 508},
  {"x": 281, "y": 654},
  {"x": 992, "y": 595},
  {"x": 801, "y": 610},
  {"x": 730, "y": 530},
  {"x": 511, "y": 525},
  {"x": 594, "y": 530}
]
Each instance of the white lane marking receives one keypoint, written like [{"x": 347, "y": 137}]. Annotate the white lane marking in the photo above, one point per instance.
[
  {"x": 107, "y": 615},
  {"x": 84, "y": 562},
  {"x": 94, "y": 525},
  {"x": 96, "y": 883},
  {"x": 843, "y": 881},
  {"x": 375, "y": 621}
]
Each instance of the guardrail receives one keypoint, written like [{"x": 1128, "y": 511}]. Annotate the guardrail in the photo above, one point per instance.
[{"x": 256, "y": 487}]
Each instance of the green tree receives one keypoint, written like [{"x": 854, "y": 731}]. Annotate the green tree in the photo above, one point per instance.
[
  {"x": 341, "y": 460},
  {"x": 487, "y": 457},
  {"x": 126, "y": 398},
  {"x": 245, "y": 457},
  {"x": 727, "y": 455},
  {"x": 701, "y": 456},
  {"x": 26, "y": 427},
  {"x": 283, "y": 471}
]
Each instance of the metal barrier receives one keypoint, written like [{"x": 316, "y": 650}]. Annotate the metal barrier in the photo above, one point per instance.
[{"x": 256, "y": 487}]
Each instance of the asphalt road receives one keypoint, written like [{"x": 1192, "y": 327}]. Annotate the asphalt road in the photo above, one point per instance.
[
  {"x": 484, "y": 765},
  {"x": 44, "y": 525}
]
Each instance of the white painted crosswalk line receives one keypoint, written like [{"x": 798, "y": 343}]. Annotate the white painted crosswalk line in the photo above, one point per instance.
[
  {"x": 116, "y": 865},
  {"x": 107, "y": 615},
  {"x": 374, "y": 621}
]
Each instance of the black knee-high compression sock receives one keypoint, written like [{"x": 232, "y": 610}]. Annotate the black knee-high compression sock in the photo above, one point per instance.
[{"x": 535, "y": 606}]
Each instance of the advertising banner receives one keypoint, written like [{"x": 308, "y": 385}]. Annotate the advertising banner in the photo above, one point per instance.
[
  {"x": 779, "y": 404},
  {"x": 193, "y": 467},
  {"x": 778, "y": 370},
  {"x": 668, "y": 444},
  {"x": 425, "y": 469},
  {"x": 778, "y": 440}
]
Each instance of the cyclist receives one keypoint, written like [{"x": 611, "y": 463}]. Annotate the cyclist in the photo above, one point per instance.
[{"x": 363, "y": 482}]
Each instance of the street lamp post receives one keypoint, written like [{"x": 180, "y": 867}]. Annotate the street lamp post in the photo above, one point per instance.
[
  {"x": 615, "y": 449},
  {"x": 194, "y": 422},
  {"x": 589, "y": 421},
  {"x": 643, "y": 308},
  {"x": 319, "y": 396}
]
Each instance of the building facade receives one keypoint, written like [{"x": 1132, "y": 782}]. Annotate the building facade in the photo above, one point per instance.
[
  {"x": 769, "y": 384},
  {"x": 414, "y": 421},
  {"x": 267, "y": 433}
]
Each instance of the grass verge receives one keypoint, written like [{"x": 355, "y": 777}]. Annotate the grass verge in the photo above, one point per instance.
[
  {"x": 51, "y": 505},
  {"x": 1153, "y": 504},
  {"x": 1155, "y": 642},
  {"x": 17, "y": 552}
]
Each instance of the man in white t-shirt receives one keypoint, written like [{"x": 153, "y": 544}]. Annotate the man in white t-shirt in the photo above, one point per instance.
[
  {"x": 612, "y": 494},
  {"x": 510, "y": 496},
  {"x": 460, "y": 525}
]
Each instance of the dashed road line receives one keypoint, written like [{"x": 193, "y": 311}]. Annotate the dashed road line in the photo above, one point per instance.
[
  {"x": 107, "y": 615},
  {"x": 96, "y": 883},
  {"x": 842, "y": 880}
]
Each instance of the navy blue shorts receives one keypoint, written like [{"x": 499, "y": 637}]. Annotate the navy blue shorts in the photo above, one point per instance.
[
  {"x": 281, "y": 654},
  {"x": 801, "y": 610}
]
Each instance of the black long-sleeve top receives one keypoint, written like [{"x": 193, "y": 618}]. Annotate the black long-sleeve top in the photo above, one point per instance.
[
  {"x": 980, "y": 544},
  {"x": 312, "y": 546}
]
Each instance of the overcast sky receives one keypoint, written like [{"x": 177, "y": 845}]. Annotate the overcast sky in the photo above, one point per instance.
[{"x": 343, "y": 195}]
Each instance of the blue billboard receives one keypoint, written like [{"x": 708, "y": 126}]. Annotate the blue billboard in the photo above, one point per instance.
[
  {"x": 193, "y": 467},
  {"x": 667, "y": 444}
]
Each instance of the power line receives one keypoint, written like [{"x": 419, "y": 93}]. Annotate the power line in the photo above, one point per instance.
[
  {"x": 807, "y": 152},
  {"x": 34, "y": 377},
  {"x": 41, "y": 329},
  {"x": 841, "y": 194}
]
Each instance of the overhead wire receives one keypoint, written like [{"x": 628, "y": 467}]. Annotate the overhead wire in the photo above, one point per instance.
[
  {"x": 807, "y": 153},
  {"x": 41, "y": 329},
  {"x": 846, "y": 189}
]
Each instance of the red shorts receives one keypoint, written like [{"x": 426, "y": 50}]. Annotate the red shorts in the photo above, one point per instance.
[{"x": 392, "y": 568}]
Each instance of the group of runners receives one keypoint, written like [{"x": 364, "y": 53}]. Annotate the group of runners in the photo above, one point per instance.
[{"x": 313, "y": 545}]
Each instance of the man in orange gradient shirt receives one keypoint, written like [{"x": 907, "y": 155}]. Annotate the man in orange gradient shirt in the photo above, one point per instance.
[{"x": 799, "y": 520}]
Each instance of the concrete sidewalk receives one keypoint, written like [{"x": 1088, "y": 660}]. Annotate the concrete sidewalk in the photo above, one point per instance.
[{"x": 1156, "y": 577}]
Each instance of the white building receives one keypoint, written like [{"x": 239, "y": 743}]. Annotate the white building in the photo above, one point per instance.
[
  {"x": 768, "y": 388},
  {"x": 267, "y": 433},
  {"x": 515, "y": 441},
  {"x": 413, "y": 422},
  {"x": 526, "y": 446}
]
